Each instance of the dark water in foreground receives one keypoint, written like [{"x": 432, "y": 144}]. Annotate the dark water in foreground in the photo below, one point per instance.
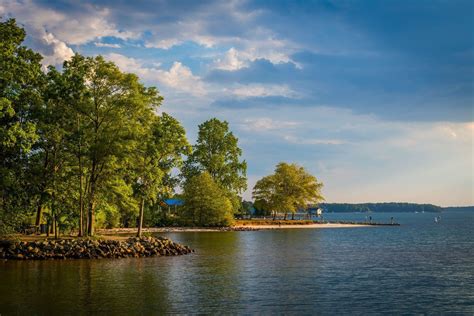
[{"x": 419, "y": 267}]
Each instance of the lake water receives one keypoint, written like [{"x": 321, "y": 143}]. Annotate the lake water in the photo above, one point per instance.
[{"x": 419, "y": 267}]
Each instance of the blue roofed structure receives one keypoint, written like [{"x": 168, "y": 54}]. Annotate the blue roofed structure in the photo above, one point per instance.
[{"x": 174, "y": 202}]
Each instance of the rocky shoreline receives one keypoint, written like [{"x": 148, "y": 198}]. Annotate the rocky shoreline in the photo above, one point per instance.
[{"x": 85, "y": 248}]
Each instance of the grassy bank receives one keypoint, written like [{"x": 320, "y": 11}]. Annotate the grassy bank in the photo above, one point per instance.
[{"x": 256, "y": 222}]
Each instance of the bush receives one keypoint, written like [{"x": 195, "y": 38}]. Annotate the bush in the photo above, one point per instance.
[{"x": 206, "y": 204}]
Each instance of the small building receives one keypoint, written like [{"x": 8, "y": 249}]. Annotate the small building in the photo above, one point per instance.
[
  {"x": 168, "y": 203},
  {"x": 319, "y": 212},
  {"x": 314, "y": 210},
  {"x": 174, "y": 202}
]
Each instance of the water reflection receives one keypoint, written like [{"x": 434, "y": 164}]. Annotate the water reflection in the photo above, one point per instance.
[{"x": 417, "y": 267}]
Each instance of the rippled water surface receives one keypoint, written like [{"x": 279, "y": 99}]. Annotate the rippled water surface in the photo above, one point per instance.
[{"x": 419, "y": 267}]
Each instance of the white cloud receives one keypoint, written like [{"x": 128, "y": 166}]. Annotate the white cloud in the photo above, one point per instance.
[
  {"x": 78, "y": 27},
  {"x": 100, "y": 44},
  {"x": 263, "y": 46},
  {"x": 418, "y": 135},
  {"x": 369, "y": 159},
  {"x": 86, "y": 23},
  {"x": 163, "y": 44},
  {"x": 61, "y": 51},
  {"x": 223, "y": 24},
  {"x": 52, "y": 32},
  {"x": 312, "y": 141},
  {"x": 261, "y": 90},
  {"x": 231, "y": 61},
  {"x": 267, "y": 124},
  {"x": 179, "y": 77}
]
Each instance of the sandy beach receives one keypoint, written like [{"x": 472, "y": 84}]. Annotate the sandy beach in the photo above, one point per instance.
[{"x": 327, "y": 225}]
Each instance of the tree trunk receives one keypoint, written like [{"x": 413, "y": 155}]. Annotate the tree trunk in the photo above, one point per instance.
[
  {"x": 81, "y": 180},
  {"x": 274, "y": 215},
  {"x": 292, "y": 216},
  {"x": 140, "y": 219},
  {"x": 90, "y": 224},
  {"x": 53, "y": 227},
  {"x": 286, "y": 214},
  {"x": 56, "y": 226},
  {"x": 81, "y": 202},
  {"x": 39, "y": 212}
]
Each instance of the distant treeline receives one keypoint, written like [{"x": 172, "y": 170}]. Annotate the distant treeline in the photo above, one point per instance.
[
  {"x": 379, "y": 207},
  {"x": 459, "y": 208}
]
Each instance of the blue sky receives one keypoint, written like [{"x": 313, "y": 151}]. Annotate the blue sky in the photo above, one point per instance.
[{"x": 376, "y": 98}]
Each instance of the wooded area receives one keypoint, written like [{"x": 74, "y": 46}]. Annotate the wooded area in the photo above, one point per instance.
[{"x": 82, "y": 146}]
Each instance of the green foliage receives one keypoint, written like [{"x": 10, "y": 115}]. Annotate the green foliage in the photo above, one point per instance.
[
  {"x": 217, "y": 152},
  {"x": 206, "y": 203},
  {"x": 84, "y": 144},
  {"x": 246, "y": 208},
  {"x": 21, "y": 82},
  {"x": 289, "y": 189},
  {"x": 261, "y": 208},
  {"x": 115, "y": 111},
  {"x": 160, "y": 151}
]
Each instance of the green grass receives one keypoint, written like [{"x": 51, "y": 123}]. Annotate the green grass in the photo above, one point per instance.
[{"x": 252, "y": 222}]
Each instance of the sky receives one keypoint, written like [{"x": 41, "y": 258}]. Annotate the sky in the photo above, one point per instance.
[{"x": 375, "y": 98}]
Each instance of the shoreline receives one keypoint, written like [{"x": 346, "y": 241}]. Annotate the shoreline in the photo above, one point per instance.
[
  {"x": 306, "y": 226},
  {"x": 122, "y": 234},
  {"x": 238, "y": 227}
]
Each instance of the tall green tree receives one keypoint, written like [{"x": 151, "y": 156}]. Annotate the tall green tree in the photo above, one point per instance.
[
  {"x": 160, "y": 151},
  {"x": 217, "y": 152},
  {"x": 51, "y": 161},
  {"x": 115, "y": 111},
  {"x": 289, "y": 189},
  {"x": 21, "y": 82},
  {"x": 206, "y": 203}
]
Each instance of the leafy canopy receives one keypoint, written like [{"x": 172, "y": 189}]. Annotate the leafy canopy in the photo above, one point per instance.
[
  {"x": 206, "y": 203},
  {"x": 218, "y": 153},
  {"x": 290, "y": 188},
  {"x": 21, "y": 83}
]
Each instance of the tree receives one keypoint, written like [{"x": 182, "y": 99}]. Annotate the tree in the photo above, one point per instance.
[
  {"x": 159, "y": 153},
  {"x": 115, "y": 110},
  {"x": 171, "y": 143},
  {"x": 206, "y": 203},
  {"x": 265, "y": 194},
  {"x": 21, "y": 82},
  {"x": 261, "y": 208},
  {"x": 246, "y": 208},
  {"x": 51, "y": 160},
  {"x": 217, "y": 152},
  {"x": 289, "y": 189}
]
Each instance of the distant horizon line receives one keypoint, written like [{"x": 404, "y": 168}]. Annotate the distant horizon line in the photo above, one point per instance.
[{"x": 417, "y": 203}]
